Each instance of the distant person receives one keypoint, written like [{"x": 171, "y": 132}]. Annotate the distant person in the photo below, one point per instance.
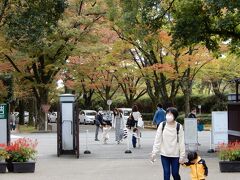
[
  {"x": 12, "y": 121},
  {"x": 106, "y": 129},
  {"x": 159, "y": 116},
  {"x": 193, "y": 113},
  {"x": 199, "y": 169},
  {"x": 118, "y": 124},
  {"x": 135, "y": 137},
  {"x": 137, "y": 117},
  {"x": 169, "y": 142},
  {"x": 98, "y": 122}
]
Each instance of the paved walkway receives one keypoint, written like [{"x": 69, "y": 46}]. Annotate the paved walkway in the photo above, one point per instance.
[{"x": 107, "y": 162}]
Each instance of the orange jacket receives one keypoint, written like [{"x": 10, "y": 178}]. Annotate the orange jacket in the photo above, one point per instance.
[{"x": 199, "y": 169}]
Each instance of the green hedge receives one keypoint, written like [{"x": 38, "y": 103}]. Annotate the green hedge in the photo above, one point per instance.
[{"x": 204, "y": 118}]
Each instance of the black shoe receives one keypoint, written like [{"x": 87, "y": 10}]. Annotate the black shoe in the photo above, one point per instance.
[{"x": 97, "y": 140}]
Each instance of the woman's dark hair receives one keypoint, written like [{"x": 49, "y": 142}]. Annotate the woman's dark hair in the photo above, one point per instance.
[
  {"x": 192, "y": 155},
  {"x": 159, "y": 105},
  {"x": 134, "y": 108},
  {"x": 174, "y": 111},
  {"x": 193, "y": 108},
  {"x": 119, "y": 112}
]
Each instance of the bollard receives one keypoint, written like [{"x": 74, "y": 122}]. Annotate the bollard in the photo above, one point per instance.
[
  {"x": 128, "y": 151},
  {"x": 211, "y": 150},
  {"x": 87, "y": 151}
]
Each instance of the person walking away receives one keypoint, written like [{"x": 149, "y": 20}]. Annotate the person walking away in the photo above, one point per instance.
[
  {"x": 159, "y": 116},
  {"x": 12, "y": 121},
  {"x": 98, "y": 122},
  {"x": 199, "y": 169},
  {"x": 106, "y": 130},
  {"x": 137, "y": 116},
  {"x": 118, "y": 125},
  {"x": 169, "y": 142}
]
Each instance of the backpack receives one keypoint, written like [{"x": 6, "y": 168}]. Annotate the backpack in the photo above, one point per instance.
[
  {"x": 177, "y": 128},
  {"x": 130, "y": 121}
]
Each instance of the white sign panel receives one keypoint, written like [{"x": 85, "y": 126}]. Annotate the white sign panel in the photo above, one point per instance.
[
  {"x": 3, "y": 131},
  {"x": 219, "y": 127},
  {"x": 67, "y": 126},
  {"x": 190, "y": 131}
]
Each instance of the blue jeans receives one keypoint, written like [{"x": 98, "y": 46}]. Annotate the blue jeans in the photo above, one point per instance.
[{"x": 170, "y": 164}]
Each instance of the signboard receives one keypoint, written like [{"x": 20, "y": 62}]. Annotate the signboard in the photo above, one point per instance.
[
  {"x": 190, "y": 132},
  {"x": 4, "y": 124},
  {"x": 109, "y": 102},
  {"x": 3, "y": 111},
  {"x": 219, "y": 127}
]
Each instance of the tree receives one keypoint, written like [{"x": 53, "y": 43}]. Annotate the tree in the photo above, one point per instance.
[
  {"x": 139, "y": 24},
  {"x": 46, "y": 40},
  {"x": 208, "y": 22},
  {"x": 126, "y": 73},
  {"x": 4, "y": 5}
]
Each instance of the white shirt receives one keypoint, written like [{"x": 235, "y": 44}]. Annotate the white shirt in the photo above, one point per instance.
[
  {"x": 136, "y": 115},
  {"x": 166, "y": 141}
]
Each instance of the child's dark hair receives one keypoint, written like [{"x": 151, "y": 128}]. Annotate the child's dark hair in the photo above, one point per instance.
[
  {"x": 192, "y": 155},
  {"x": 135, "y": 129}
]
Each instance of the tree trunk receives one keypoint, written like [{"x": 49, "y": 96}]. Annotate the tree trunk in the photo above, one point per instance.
[
  {"x": 21, "y": 112},
  {"x": 42, "y": 100},
  {"x": 187, "y": 103}
]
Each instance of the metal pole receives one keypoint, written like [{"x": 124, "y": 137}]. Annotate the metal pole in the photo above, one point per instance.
[
  {"x": 128, "y": 151},
  {"x": 87, "y": 151},
  {"x": 236, "y": 91},
  {"x": 46, "y": 123},
  {"x": 211, "y": 150}
]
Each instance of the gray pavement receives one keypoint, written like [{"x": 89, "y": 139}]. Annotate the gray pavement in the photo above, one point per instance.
[{"x": 108, "y": 162}]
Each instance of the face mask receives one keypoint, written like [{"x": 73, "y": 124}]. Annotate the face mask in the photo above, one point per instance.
[{"x": 169, "y": 118}]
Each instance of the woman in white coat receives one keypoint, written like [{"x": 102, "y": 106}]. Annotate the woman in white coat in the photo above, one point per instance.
[
  {"x": 118, "y": 124},
  {"x": 169, "y": 143}
]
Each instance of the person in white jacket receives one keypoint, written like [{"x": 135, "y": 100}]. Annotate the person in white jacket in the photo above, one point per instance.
[{"x": 169, "y": 142}]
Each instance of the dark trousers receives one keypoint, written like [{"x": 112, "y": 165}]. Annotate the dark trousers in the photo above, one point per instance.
[
  {"x": 96, "y": 132},
  {"x": 170, "y": 164},
  {"x": 134, "y": 141}
]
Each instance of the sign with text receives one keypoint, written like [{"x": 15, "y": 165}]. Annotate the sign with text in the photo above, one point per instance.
[
  {"x": 4, "y": 124},
  {"x": 3, "y": 111}
]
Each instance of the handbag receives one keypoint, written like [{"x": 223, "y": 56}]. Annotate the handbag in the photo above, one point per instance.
[{"x": 130, "y": 121}]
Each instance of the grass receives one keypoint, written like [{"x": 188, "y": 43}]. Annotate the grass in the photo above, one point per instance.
[{"x": 26, "y": 128}]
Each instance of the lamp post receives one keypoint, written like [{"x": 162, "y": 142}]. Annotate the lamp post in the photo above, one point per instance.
[{"x": 200, "y": 107}]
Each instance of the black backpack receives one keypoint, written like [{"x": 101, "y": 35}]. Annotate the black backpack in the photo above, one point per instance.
[
  {"x": 130, "y": 121},
  {"x": 177, "y": 128}
]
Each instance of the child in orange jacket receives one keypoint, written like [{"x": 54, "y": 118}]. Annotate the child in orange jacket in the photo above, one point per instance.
[{"x": 199, "y": 169}]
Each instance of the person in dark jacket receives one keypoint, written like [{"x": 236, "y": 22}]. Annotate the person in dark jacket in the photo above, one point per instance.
[
  {"x": 193, "y": 113},
  {"x": 98, "y": 122}
]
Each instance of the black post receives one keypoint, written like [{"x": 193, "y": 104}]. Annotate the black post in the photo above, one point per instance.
[{"x": 237, "y": 90}]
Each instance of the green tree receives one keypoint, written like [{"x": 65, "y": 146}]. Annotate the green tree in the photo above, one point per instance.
[
  {"x": 139, "y": 23},
  {"x": 46, "y": 37},
  {"x": 209, "y": 22}
]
